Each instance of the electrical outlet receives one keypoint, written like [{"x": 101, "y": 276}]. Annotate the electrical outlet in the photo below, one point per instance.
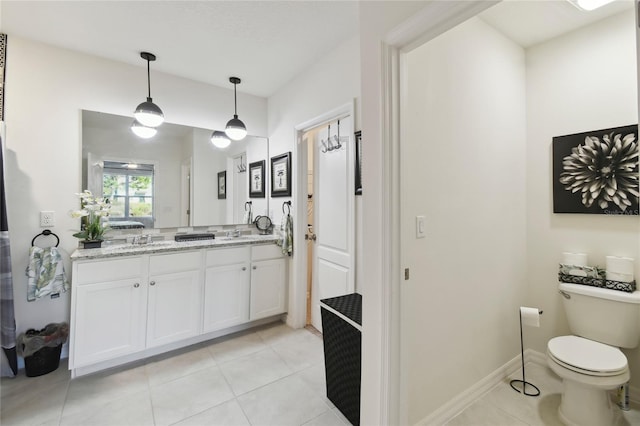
[{"x": 47, "y": 219}]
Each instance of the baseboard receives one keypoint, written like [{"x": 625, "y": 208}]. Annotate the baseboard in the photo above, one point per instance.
[{"x": 454, "y": 406}]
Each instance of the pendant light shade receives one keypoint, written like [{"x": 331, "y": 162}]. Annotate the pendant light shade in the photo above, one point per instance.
[
  {"x": 142, "y": 131},
  {"x": 220, "y": 140},
  {"x": 235, "y": 128},
  {"x": 148, "y": 113}
]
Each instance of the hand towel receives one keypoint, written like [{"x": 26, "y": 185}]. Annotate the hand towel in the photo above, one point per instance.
[
  {"x": 45, "y": 273},
  {"x": 287, "y": 235}
]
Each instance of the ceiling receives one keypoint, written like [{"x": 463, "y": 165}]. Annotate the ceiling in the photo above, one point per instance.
[
  {"x": 529, "y": 22},
  {"x": 265, "y": 43}
]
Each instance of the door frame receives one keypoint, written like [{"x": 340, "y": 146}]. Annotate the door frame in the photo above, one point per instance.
[
  {"x": 297, "y": 317},
  {"x": 431, "y": 21}
]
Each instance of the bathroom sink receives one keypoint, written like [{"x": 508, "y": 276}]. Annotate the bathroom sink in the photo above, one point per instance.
[
  {"x": 130, "y": 246},
  {"x": 239, "y": 238}
]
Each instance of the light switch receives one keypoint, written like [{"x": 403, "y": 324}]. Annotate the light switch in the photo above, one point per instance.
[{"x": 420, "y": 227}]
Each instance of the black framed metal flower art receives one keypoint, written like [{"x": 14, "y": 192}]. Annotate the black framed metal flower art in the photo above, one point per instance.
[{"x": 597, "y": 172}]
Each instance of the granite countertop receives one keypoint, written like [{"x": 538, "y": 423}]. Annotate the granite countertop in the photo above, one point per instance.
[{"x": 116, "y": 250}]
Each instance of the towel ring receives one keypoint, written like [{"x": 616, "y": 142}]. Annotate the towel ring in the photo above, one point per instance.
[
  {"x": 45, "y": 233},
  {"x": 288, "y": 204}
]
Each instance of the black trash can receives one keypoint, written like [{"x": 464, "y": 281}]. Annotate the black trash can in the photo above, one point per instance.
[
  {"x": 43, "y": 361},
  {"x": 342, "y": 339},
  {"x": 41, "y": 348}
]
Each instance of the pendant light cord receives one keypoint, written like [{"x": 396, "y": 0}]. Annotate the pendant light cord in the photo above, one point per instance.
[
  {"x": 235, "y": 101},
  {"x": 148, "y": 80}
]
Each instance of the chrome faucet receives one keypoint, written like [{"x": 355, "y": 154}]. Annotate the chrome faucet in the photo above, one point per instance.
[
  {"x": 233, "y": 233},
  {"x": 142, "y": 239}
]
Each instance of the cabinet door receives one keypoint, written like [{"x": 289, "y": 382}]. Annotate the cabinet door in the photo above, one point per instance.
[
  {"x": 267, "y": 288},
  {"x": 174, "y": 307},
  {"x": 226, "y": 296},
  {"x": 110, "y": 320}
]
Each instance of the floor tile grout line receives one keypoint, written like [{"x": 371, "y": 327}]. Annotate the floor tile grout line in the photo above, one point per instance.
[{"x": 149, "y": 388}]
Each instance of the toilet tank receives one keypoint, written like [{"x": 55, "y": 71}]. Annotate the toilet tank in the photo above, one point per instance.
[{"x": 603, "y": 315}]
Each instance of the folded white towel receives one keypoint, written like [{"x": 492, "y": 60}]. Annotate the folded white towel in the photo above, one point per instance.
[{"x": 45, "y": 273}]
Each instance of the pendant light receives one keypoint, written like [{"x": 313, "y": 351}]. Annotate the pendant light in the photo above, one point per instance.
[
  {"x": 142, "y": 131},
  {"x": 148, "y": 113},
  {"x": 220, "y": 139},
  {"x": 235, "y": 129}
]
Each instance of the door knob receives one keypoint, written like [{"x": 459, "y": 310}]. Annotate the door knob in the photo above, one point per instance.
[
  {"x": 136, "y": 285},
  {"x": 152, "y": 283},
  {"x": 244, "y": 268}
]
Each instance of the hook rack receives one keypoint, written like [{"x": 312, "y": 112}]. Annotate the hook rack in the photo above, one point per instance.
[
  {"x": 288, "y": 204},
  {"x": 242, "y": 167},
  {"x": 333, "y": 142},
  {"x": 45, "y": 233}
]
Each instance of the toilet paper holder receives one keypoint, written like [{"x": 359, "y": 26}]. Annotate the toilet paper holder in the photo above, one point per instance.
[{"x": 524, "y": 382}]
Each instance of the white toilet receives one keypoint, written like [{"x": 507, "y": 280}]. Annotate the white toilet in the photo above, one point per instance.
[{"x": 589, "y": 362}]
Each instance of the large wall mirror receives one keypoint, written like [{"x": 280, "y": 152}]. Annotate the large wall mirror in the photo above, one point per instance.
[{"x": 175, "y": 179}]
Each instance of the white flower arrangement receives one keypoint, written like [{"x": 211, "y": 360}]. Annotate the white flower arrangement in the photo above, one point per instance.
[{"x": 93, "y": 209}]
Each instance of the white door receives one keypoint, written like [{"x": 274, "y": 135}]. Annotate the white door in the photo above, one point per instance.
[
  {"x": 185, "y": 193},
  {"x": 94, "y": 174},
  {"x": 240, "y": 187},
  {"x": 334, "y": 223}
]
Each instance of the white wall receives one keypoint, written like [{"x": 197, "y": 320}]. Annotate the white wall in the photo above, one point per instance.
[
  {"x": 377, "y": 19},
  {"x": 586, "y": 80},
  {"x": 207, "y": 162},
  {"x": 463, "y": 168},
  {"x": 333, "y": 81},
  {"x": 46, "y": 89}
]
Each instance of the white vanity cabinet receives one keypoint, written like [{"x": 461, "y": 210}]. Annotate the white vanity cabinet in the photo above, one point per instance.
[
  {"x": 268, "y": 282},
  {"x": 175, "y": 289},
  {"x": 131, "y": 306},
  {"x": 109, "y": 310},
  {"x": 226, "y": 288}
]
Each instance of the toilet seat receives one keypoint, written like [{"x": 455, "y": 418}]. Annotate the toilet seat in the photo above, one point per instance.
[{"x": 586, "y": 356}]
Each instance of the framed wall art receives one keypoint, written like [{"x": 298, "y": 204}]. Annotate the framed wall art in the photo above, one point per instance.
[
  {"x": 256, "y": 179},
  {"x": 222, "y": 185},
  {"x": 596, "y": 172},
  {"x": 281, "y": 175}
]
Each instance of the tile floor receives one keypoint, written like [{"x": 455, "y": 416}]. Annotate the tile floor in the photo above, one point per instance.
[
  {"x": 502, "y": 406},
  {"x": 271, "y": 376}
]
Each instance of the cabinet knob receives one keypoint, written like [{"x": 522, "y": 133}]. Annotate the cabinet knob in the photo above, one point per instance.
[
  {"x": 152, "y": 283},
  {"x": 255, "y": 267},
  {"x": 136, "y": 285},
  {"x": 244, "y": 268}
]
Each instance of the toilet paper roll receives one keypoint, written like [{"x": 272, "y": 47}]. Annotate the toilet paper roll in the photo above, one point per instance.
[
  {"x": 577, "y": 259},
  {"x": 619, "y": 269},
  {"x": 530, "y": 316}
]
